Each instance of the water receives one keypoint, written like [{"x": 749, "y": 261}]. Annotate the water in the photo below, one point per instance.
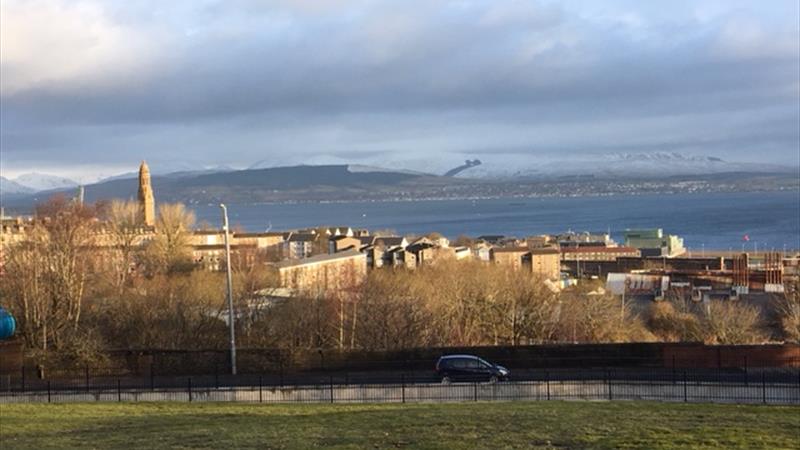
[{"x": 715, "y": 221}]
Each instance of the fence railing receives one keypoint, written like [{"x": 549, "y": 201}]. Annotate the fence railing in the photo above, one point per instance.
[
  {"x": 773, "y": 386},
  {"x": 682, "y": 391}
]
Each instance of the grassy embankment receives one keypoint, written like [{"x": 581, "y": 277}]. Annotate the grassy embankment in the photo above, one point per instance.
[{"x": 457, "y": 426}]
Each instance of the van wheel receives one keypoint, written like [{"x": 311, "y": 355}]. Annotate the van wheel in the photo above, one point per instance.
[
  {"x": 493, "y": 379},
  {"x": 445, "y": 380}
]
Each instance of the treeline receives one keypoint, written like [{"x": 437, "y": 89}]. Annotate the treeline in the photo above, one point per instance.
[{"x": 84, "y": 283}]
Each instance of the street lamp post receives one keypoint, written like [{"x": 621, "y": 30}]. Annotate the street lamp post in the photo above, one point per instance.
[{"x": 230, "y": 287}]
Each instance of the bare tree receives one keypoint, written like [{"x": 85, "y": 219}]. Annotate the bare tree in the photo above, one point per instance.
[
  {"x": 675, "y": 320},
  {"x": 525, "y": 310},
  {"x": 125, "y": 234},
  {"x": 787, "y": 307},
  {"x": 170, "y": 249},
  {"x": 45, "y": 275},
  {"x": 729, "y": 322}
]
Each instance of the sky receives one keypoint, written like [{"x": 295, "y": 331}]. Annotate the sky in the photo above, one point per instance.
[{"x": 90, "y": 88}]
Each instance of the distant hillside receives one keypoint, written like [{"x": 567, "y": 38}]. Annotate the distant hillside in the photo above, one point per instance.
[
  {"x": 317, "y": 183},
  {"x": 333, "y": 183},
  {"x": 298, "y": 177}
]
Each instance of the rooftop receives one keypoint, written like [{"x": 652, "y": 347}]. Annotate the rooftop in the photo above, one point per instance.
[
  {"x": 262, "y": 234},
  {"x": 599, "y": 249},
  {"x": 302, "y": 237},
  {"x": 511, "y": 250},
  {"x": 348, "y": 254}
]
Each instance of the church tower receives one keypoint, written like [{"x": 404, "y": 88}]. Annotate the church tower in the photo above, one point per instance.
[{"x": 146, "y": 201}]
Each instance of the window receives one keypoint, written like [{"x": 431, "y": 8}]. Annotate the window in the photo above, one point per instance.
[{"x": 458, "y": 363}]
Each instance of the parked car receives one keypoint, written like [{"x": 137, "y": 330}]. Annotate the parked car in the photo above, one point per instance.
[{"x": 450, "y": 368}]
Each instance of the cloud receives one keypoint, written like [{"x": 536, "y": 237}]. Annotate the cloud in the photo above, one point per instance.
[
  {"x": 53, "y": 45},
  {"x": 239, "y": 81}
]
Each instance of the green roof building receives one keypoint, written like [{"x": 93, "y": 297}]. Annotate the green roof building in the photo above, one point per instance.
[{"x": 653, "y": 242}]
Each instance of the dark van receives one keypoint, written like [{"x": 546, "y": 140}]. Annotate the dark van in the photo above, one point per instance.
[{"x": 450, "y": 368}]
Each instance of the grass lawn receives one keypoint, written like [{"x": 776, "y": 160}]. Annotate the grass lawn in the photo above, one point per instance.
[{"x": 460, "y": 425}]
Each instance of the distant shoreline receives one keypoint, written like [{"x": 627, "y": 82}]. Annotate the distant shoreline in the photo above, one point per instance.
[{"x": 501, "y": 197}]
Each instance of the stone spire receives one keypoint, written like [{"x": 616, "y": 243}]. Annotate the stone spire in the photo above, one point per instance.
[{"x": 146, "y": 201}]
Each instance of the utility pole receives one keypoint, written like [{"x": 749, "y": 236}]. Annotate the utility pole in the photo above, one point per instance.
[{"x": 230, "y": 286}]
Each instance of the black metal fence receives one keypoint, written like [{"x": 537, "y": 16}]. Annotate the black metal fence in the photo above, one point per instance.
[{"x": 753, "y": 385}]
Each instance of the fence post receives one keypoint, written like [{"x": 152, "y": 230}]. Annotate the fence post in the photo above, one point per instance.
[
  {"x": 685, "y": 396},
  {"x": 87, "y": 378},
  {"x": 48, "y": 391},
  {"x": 189, "y": 380},
  {"x": 403, "y": 386},
  {"x": 119, "y": 391},
  {"x": 763, "y": 387},
  {"x": 331, "y": 381},
  {"x": 475, "y": 392},
  {"x": 608, "y": 385},
  {"x": 216, "y": 376},
  {"x": 547, "y": 381},
  {"x": 23, "y": 378},
  {"x": 260, "y": 391},
  {"x": 152, "y": 378}
]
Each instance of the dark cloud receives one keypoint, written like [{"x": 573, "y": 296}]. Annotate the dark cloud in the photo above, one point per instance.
[{"x": 245, "y": 81}]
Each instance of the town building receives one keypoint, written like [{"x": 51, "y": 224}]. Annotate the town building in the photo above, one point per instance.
[
  {"x": 653, "y": 242},
  {"x": 462, "y": 253},
  {"x": 482, "y": 251},
  {"x": 425, "y": 251},
  {"x": 299, "y": 245},
  {"x": 343, "y": 242},
  {"x": 598, "y": 253},
  {"x": 584, "y": 239},
  {"x": 511, "y": 257},
  {"x": 538, "y": 241},
  {"x": 543, "y": 262},
  {"x": 324, "y": 273},
  {"x": 384, "y": 250}
]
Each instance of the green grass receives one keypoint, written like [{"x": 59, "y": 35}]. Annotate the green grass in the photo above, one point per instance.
[{"x": 461, "y": 425}]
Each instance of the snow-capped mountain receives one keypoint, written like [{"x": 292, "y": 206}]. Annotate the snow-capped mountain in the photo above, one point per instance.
[
  {"x": 506, "y": 166},
  {"x": 11, "y": 187},
  {"x": 44, "y": 182}
]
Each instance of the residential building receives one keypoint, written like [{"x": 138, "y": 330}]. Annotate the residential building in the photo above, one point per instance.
[
  {"x": 341, "y": 243},
  {"x": 482, "y": 251},
  {"x": 300, "y": 245},
  {"x": 544, "y": 262},
  {"x": 384, "y": 250},
  {"x": 538, "y": 241},
  {"x": 461, "y": 253},
  {"x": 208, "y": 246},
  {"x": 324, "y": 273},
  {"x": 511, "y": 257},
  {"x": 597, "y": 253},
  {"x": 425, "y": 251}
]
